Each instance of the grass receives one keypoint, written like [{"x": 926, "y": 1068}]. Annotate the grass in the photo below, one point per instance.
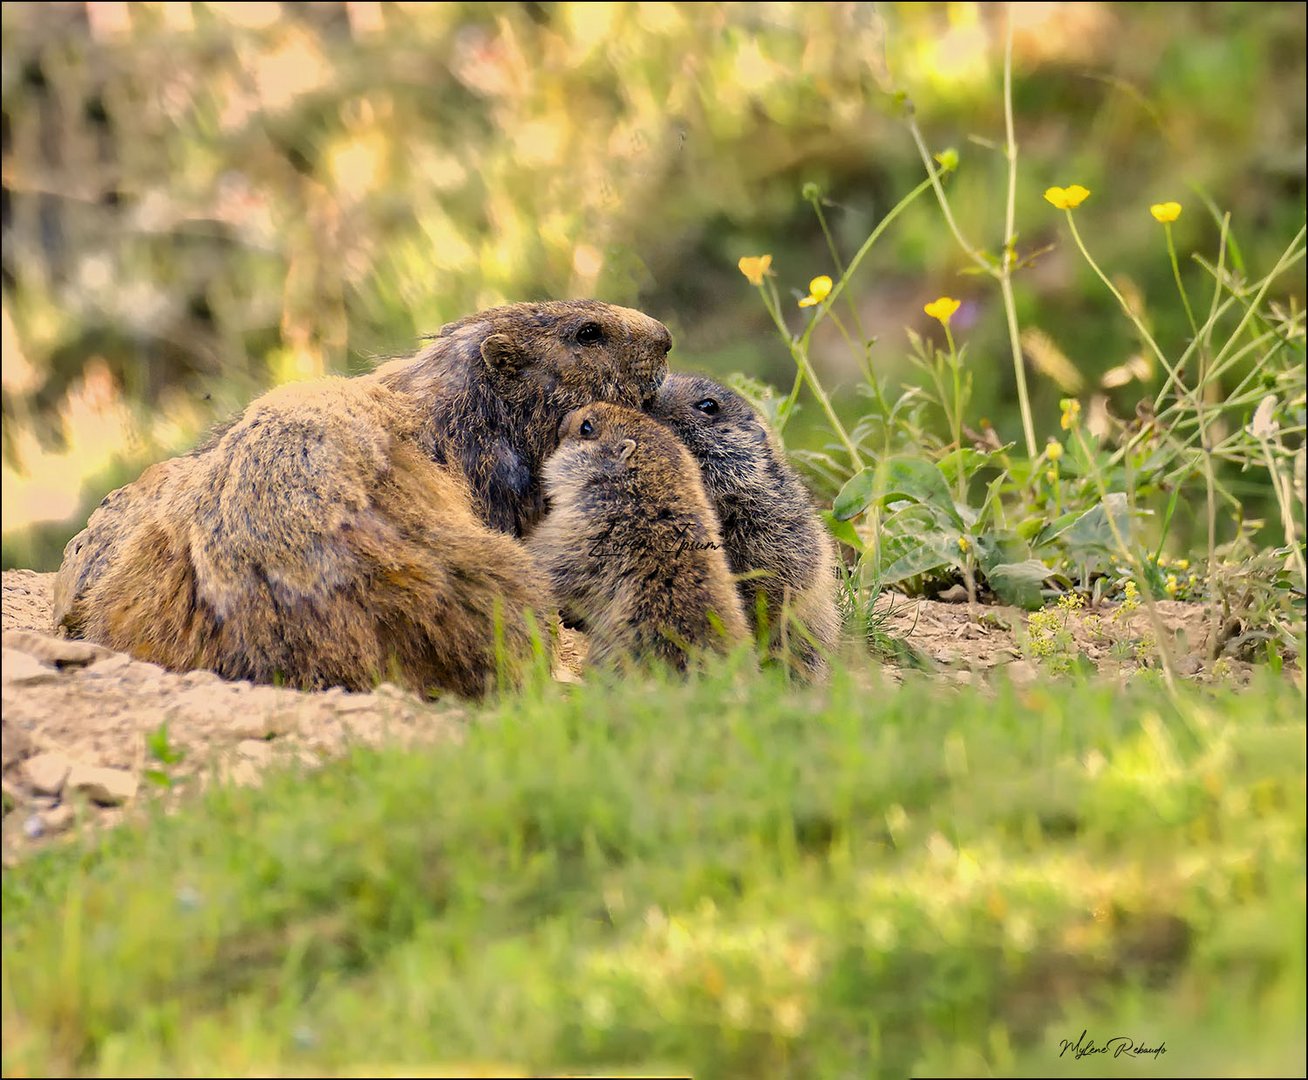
[{"x": 727, "y": 876}]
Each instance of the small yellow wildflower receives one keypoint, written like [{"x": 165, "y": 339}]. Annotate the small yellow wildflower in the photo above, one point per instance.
[
  {"x": 942, "y": 309},
  {"x": 948, "y": 160},
  {"x": 1183, "y": 564},
  {"x": 1192, "y": 580},
  {"x": 963, "y": 545},
  {"x": 1071, "y": 410},
  {"x": 1054, "y": 450},
  {"x": 1172, "y": 585},
  {"x": 1068, "y": 198},
  {"x": 1051, "y": 475},
  {"x": 1166, "y": 211},
  {"x": 754, "y": 267},
  {"x": 818, "y": 290}
]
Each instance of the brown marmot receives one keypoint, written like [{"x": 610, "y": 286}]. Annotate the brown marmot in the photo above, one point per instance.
[
  {"x": 630, "y": 545},
  {"x": 348, "y": 530},
  {"x": 769, "y": 525}
]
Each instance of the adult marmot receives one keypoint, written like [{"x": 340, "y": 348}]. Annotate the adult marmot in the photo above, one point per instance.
[
  {"x": 347, "y": 530},
  {"x": 767, "y": 517},
  {"x": 631, "y": 544}
]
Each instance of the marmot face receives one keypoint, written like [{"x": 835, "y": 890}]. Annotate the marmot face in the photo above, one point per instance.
[
  {"x": 726, "y": 436},
  {"x": 499, "y": 383},
  {"x": 598, "y": 443}
]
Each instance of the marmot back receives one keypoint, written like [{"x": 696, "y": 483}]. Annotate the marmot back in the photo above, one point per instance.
[
  {"x": 631, "y": 544},
  {"x": 768, "y": 520},
  {"x": 348, "y": 530}
]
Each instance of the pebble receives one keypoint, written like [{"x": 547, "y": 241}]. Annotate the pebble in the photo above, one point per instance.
[
  {"x": 21, "y": 669},
  {"x": 46, "y": 773},
  {"x": 61, "y": 652},
  {"x": 103, "y": 786}
]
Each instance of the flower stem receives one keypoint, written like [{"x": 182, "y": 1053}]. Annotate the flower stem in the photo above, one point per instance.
[
  {"x": 1176, "y": 273},
  {"x": 1135, "y": 319}
]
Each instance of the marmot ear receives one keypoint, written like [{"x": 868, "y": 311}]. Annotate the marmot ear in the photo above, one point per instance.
[
  {"x": 500, "y": 352},
  {"x": 627, "y": 448}
]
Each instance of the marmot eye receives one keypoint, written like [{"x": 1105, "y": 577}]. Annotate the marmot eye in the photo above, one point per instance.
[
  {"x": 587, "y": 429},
  {"x": 707, "y": 406},
  {"x": 590, "y": 334}
]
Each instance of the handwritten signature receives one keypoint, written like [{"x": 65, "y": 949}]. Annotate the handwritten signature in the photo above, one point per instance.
[
  {"x": 683, "y": 542},
  {"x": 1117, "y": 1046}
]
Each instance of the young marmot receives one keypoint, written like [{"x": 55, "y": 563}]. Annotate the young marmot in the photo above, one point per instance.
[
  {"x": 631, "y": 545},
  {"x": 348, "y": 530},
  {"x": 767, "y": 517}
]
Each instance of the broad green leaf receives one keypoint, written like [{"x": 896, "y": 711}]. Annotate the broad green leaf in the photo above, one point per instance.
[
  {"x": 1092, "y": 531},
  {"x": 1019, "y": 583},
  {"x": 842, "y": 531},
  {"x": 855, "y": 496}
]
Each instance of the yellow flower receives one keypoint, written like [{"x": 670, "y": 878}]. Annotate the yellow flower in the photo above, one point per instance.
[
  {"x": 948, "y": 160},
  {"x": 942, "y": 309},
  {"x": 1054, "y": 450},
  {"x": 1071, "y": 410},
  {"x": 1068, "y": 198},
  {"x": 963, "y": 545},
  {"x": 754, "y": 267},
  {"x": 1183, "y": 564},
  {"x": 818, "y": 290},
  {"x": 1051, "y": 475},
  {"x": 1166, "y": 211},
  {"x": 1172, "y": 585}
]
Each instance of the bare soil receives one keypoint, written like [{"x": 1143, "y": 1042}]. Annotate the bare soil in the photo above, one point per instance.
[{"x": 78, "y": 718}]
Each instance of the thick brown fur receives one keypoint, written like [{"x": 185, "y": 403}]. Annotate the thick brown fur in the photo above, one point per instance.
[
  {"x": 348, "y": 530},
  {"x": 773, "y": 536},
  {"x": 630, "y": 545}
]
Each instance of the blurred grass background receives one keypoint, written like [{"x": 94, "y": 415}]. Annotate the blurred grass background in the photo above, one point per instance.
[{"x": 201, "y": 200}]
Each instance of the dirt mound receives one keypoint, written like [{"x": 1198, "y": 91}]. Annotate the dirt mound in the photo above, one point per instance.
[{"x": 79, "y": 721}]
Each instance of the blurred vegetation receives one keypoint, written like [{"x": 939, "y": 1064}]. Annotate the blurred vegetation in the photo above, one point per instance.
[
  {"x": 722, "y": 877},
  {"x": 202, "y": 200}
]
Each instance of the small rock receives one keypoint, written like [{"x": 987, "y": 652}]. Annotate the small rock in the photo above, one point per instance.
[
  {"x": 103, "y": 786},
  {"x": 46, "y": 773},
  {"x": 22, "y": 669},
  {"x": 34, "y": 827},
  {"x": 58, "y": 819},
  {"x": 1189, "y": 665},
  {"x": 109, "y": 666},
  {"x": 61, "y": 652},
  {"x": 200, "y": 678}
]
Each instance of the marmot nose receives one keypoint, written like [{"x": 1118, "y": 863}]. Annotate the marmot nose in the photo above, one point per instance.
[{"x": 662, "y": 338}]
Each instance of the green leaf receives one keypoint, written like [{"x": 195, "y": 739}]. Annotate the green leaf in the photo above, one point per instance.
[
  {"x": 1090, "y": 531},
  {"x": 897, "y": 478},
  {"x": 855, "y": 496},
  {"x": 160, "y": 749},
  {"x": 159, "y": 778},
  {"x": 843, "y": 531},
  {"x": 1019, "y": 583}
]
